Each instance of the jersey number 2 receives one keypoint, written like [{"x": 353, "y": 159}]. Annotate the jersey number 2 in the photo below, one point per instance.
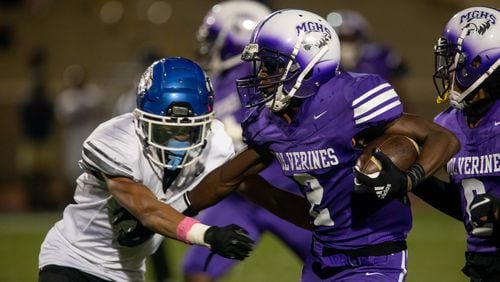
[{"x": 314, "y": 194}]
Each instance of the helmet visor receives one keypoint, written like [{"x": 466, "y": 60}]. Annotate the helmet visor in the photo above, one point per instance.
[{"x": 163, "y": 134}]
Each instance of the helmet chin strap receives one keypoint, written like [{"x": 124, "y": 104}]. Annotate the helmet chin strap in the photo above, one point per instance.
[
  {"x": 282, "y": 99},
  {"x": 457, "y": 98},
  {"x": 306, "y": 70}
]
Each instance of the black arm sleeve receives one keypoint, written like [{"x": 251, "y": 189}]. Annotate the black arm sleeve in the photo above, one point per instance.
[{"x": 441, "y": 195}]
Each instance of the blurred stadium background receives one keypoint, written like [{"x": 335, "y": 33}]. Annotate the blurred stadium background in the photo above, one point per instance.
[{"x": 108, "y": 37}]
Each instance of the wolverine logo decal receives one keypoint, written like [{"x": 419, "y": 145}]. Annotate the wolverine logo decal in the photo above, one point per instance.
[
  {"x": 480, "y": 28},
  {"x": 477, "y": 21},
  {"x": 310, "y": 41}
]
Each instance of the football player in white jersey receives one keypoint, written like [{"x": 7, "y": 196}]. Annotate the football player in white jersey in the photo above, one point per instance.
[{"x": 136, "y": 168}]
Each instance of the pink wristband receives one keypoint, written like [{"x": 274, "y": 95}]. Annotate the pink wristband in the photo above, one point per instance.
[{"x": 184, "y": 227}]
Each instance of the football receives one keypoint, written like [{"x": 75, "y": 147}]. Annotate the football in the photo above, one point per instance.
[{"x": 403, "y": 152}]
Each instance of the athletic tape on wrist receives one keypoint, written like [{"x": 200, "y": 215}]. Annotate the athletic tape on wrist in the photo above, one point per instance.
[
  {"x": 416, "y": 173},
  {"x": 183, "y": 228},
  {"x": 191, "y": 231},
  {"x": 196, "y": 235}
]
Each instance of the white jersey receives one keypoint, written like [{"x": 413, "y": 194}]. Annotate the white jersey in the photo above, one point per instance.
[{"x": 85, "y": 238}]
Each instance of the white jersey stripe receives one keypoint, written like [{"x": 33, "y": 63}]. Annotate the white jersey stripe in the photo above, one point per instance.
[
  {"x": 374, "y": 102},
  {"x": 378, "y": 112},
  {"x": 369, "y": 93},
  {"x": 404, "y": 270}
]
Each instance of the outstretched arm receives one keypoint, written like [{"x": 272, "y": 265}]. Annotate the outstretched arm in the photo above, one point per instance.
[
  {"x": 224, "y": 179},
  {"x": 155, "y": 216},
  {"x": 143, "y": 204},
  {"x": 242, "y": 172}
]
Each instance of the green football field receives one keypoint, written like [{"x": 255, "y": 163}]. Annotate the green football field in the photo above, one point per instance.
[{"x": 436, "y": 246}]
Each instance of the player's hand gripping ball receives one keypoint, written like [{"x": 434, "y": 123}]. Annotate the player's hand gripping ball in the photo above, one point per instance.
[{"x": 381, "y": 168}]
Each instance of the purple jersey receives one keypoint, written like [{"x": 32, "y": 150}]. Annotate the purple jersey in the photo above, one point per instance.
[
  {"x": 475, "y": 169},
  {"x": 316, "y": 150}
]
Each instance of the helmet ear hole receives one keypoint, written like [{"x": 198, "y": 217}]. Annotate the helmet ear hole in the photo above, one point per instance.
[{"x": 476, "y": 62}]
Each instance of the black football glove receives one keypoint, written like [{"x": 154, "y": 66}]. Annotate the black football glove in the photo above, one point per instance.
[
  {"x": 391, "y": 182},
  {"x": 482, "y": 210},
  {"x": 230, "y": 241},
  {"x": 131, "y": 232}
]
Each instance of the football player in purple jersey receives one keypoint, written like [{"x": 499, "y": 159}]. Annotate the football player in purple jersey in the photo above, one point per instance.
[
  {"x": 468, "y": 75},
  {"x": 311, "y": 117},
  {"x": 225, "y": 31}
]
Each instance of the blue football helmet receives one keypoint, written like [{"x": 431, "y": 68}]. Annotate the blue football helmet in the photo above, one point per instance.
[
  {"x": 466, "y": 54},
  {"x": 225, "y": 31},
  {"x": 174, "y": 112},
  {"x": 293, "y": 52}
]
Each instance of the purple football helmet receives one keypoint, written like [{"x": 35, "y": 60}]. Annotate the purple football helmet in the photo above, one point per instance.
[
  {"x": 225, "y": 31},
  {"x": 294, "y": 52},
  {"x": 467, "y": 53}
]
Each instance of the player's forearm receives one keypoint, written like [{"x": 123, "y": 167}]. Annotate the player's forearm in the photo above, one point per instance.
[
  {"x": 209, "y": 191},
  {"x": 438, "y": 143},
  {"x": 223, "y": 180},
  {"x": 160, "y": 218},
  {"x": 443, "y": 142},
  {"x": 143, "y": 205}
]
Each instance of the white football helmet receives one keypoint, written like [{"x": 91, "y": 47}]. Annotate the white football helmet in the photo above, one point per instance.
[
  {"x": 225, "y": 31},
  {"x": 294, "y": 53},
  {"x": 467, "y": 53}
]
